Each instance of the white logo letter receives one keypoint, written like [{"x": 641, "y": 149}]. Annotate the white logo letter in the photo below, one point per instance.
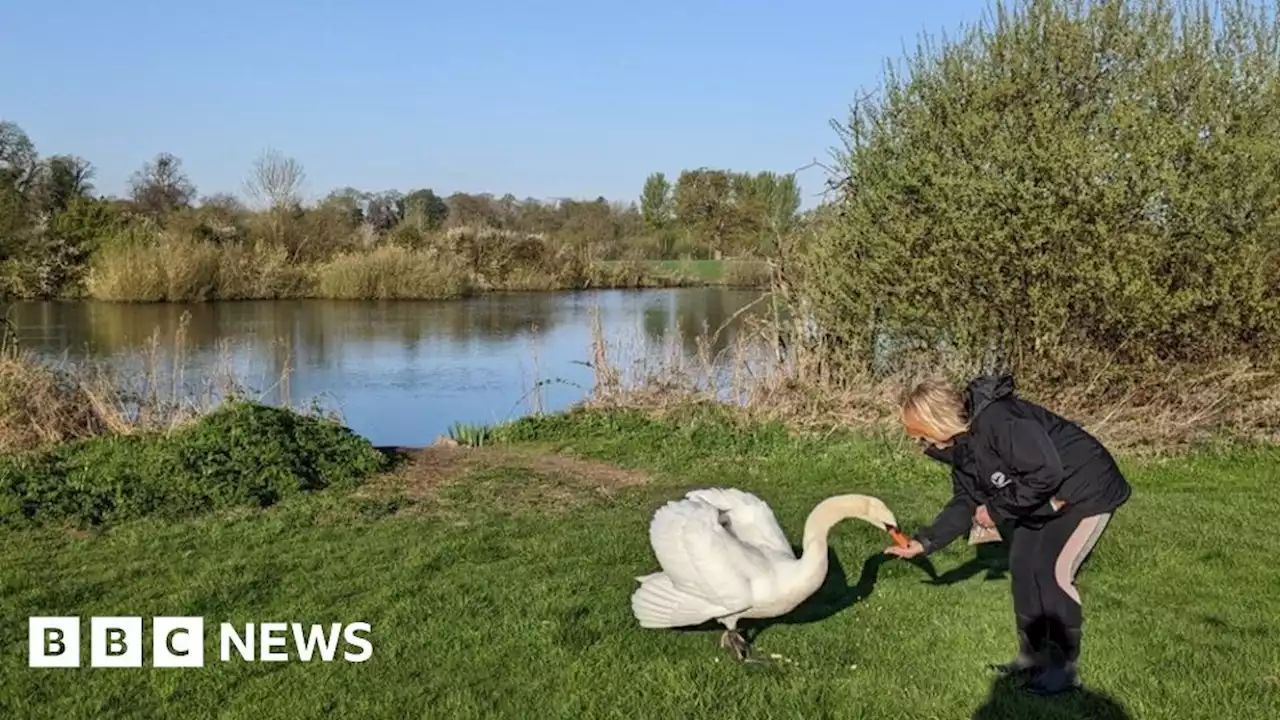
[
  {"x": 115, "y": 642},
  {"x": 317, "y": 637},
  {"x": 177, "y": 642},
  {"x": 354, "y": 639},
  {"x": 229, "y": 636},
  {"x": 269, "y": 642},
  {"x": 53, "y": 642}
]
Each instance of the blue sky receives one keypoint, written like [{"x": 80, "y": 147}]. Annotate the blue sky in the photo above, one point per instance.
[{"x": 540, "y": 99}]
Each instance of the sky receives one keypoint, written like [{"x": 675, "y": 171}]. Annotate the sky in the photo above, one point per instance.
[{"x": 538, "y": 99}]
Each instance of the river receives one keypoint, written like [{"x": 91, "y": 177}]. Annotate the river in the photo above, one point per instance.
[{"x": 401, "y": 372}]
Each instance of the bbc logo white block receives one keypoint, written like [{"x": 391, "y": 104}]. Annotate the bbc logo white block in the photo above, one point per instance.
[
  {"x": 53, "y": 642},
  {"x": 115, "y": 642},
  {"x": 177, "y": 642}
]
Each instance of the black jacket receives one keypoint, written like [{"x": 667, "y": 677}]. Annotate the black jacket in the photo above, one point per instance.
[{"x": 1015, "y": 456}]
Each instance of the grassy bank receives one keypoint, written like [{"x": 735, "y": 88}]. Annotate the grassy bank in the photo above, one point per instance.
[{"x": 496, "y": 581}]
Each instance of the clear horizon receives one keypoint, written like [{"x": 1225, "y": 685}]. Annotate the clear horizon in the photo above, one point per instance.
[{"x": 577, "y": 101}]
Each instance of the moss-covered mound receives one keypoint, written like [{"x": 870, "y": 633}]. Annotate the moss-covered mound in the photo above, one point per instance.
[{"x": 240, "y": 454}]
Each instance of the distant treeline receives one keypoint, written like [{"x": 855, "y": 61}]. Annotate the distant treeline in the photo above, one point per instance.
[{"x": 163, "y": 241}]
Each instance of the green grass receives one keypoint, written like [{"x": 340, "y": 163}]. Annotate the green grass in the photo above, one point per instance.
[
  {"x": 241, "y": 454},
  {"x": 727, "y": 272},
  {"x": 485, "y": 605},
  {"x": 706, "y": 270}
]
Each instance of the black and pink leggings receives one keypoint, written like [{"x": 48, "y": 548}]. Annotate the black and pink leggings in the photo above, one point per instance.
[{"x": 1043, "y": 563}]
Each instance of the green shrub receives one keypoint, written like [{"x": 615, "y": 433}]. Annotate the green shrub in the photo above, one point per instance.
[
  {"x": 1074, "y": 178},
  {"x": 241, "y": 454}
]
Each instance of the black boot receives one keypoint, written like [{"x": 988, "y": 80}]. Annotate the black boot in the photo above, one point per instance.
[
  {"x": 1027, "y": 659},
  {"x": 1019, "y": 665},
  {"x": 1061, "y": 675},
  {"x": 1057, "y": 678}
]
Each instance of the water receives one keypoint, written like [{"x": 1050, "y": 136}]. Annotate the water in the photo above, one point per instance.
[{"x": 400, "y": 373}]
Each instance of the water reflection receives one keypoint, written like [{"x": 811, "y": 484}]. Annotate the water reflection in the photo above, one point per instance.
[{"x": 400, "y": 372}]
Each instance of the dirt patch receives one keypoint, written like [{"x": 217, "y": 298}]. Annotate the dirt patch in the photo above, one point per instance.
[{"x": 425, "y": 472}]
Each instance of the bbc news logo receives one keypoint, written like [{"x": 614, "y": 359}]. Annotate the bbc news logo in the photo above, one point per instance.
[{"x": 179, "y": 642}]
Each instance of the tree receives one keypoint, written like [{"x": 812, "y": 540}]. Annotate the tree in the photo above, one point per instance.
[
  {"x": 62, "y": 179},
  {"x": 704, "y": 207},
  {"x": 276, "y": 185},
  {"x": 784, "y": 204},
  {"x": 468, "y": 210},
  {"x": 776, "y": 205},
  {"x": 350, "y": 201},
  {"x": 1072, "y": 185},
  {"x": 18, "y": 171},
  {"x": 426, "y": 209},
  {"x": 384, "y": 210},
  {"x": 276, "y": 181},
  {"x": 655, "y": 202},
  {"x": 160, "y": 187}
]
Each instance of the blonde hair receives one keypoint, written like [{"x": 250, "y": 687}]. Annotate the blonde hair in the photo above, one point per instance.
[{"x": 937, "y": 404}]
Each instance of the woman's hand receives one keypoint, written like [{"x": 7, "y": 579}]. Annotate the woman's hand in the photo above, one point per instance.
[
  {"x": 912, "y": 549},
  {"x": 982, "y": 517}
]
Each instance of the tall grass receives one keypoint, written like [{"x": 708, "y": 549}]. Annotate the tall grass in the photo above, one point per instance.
[
  {"x": 44, "y": 402},
  {"x": 391, "y": 273},
  {"x": 760, "y": 376},
  {"x": 170, "y": 266},
  {"x": 179, "y": 268}
]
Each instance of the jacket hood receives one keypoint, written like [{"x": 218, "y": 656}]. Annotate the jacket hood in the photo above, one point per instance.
[{"x": 984, "y": 390}]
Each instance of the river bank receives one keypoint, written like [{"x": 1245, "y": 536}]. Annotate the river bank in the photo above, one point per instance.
[
  {"x": 398, "y": 373},
  {"x": 496, "y": 581},
  {"x": 403, "y": 373},
  {"x": 248, "y": 513},
  {"x": 205, "y": 272}
]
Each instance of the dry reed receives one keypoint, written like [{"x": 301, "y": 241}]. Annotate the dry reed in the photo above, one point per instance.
[
  {"x": 179, "y": 268},
  {"x": 758, "y": 381},
  {"x": 390, "y": 272},
  {"x": 172, "y": 266},
  {"x": 43, "y": 402}
]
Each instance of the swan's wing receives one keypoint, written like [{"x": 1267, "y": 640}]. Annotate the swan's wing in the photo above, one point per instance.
[
  {"x": 749, "y": 518},
  {"x": 702, "y": 558}
]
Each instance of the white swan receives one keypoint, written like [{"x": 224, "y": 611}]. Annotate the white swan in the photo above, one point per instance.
[{"x": 724, "y": 556}]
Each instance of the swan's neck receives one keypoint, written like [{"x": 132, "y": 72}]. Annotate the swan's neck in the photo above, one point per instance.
[
  {"x": 827, "y": 514},
  {"x": 813, "y": 558}
]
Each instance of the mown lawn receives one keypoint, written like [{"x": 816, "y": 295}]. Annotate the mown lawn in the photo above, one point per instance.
[{"x": 497, "y": 582}]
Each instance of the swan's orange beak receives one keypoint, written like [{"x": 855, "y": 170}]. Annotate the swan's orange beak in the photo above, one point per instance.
[{"x": 898, "y": 537}]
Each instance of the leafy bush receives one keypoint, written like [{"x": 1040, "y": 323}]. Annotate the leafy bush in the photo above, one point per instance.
[
  {"x": 240, "y": 454},
  {"x": 1076, "y": 178}
]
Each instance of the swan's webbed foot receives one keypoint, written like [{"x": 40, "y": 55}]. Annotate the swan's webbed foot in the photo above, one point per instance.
[{"x": 733, "y": 640}]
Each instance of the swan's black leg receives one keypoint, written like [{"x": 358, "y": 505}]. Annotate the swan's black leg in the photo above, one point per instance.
[{"x": 733, "y": 640}]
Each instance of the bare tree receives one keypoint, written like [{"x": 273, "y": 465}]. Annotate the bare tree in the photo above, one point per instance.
[{"x": 276, "y": 180}]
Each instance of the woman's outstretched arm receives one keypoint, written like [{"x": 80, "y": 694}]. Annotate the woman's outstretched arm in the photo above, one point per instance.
[{"x": 955, "y": 518}]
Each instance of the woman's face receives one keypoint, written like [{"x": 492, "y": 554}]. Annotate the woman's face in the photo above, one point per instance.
[{"x": 920, "y": 431}]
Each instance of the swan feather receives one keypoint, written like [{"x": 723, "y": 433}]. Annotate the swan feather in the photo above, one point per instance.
[
  {"x": 702, "y": 558},
  {"x": 750, "y": 519}
]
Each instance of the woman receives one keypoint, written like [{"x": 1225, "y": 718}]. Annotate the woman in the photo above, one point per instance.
[{"x": 1014, "y": 462}]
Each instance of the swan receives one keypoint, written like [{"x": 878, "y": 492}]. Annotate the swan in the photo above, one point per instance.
[{"x": 724, "y": 557}]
